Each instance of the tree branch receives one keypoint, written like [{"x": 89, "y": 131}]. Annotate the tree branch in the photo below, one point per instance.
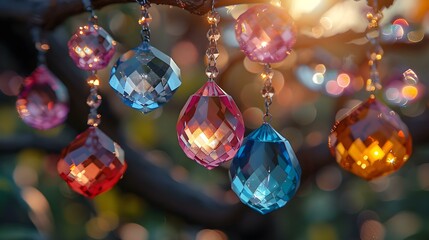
[{"x": 50, "y": 14}]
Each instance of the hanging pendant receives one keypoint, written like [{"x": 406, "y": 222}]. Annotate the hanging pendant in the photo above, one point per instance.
[
  {"x": 265, "y": 33},
  {"x": 370, "y": 141},
  {"x": 265, "y": 173},
  {"x": 210, "y": 128},
  {"x": 43, "y": 100},
  {"x": 91, "y": 47},
  {"x": 145, "y": 78},
  {"x": 92, "y": 163}
]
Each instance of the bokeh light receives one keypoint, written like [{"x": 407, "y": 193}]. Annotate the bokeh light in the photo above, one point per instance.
[
  {"x": 209, "y": 234},
  {"x": 133, "y": 231}
]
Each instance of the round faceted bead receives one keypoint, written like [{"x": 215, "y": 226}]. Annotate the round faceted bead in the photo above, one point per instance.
[
  {"x": 212, "y": 52},
  {"x": 370, "y": 141},
  {"x": 213, "y": 17},
  {"x": 91, "y": 47},
  {"x": 212, "y": 72},
  {"x": 210, "y": 128},
  {"x": 145, "y": 19},
  {"x": 265, "y": 33},
  {"x": 265, "y": 173},
  {"x": 93, "y": 100},
  {"x": 94, "y": 119},
  {"x": 213, "y": 34},
  {"x": 43, "y": 100},
  {"x": 145, "y": 78},
  {"x": 92, "y": 163},
  {"x": 267, "y": 91},
  {"x": 93, "y": 80}
]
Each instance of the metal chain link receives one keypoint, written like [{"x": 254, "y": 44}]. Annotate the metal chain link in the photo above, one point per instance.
[
  {"x": 213, "y": 35},
  {"x": 145, "y": 20},
  {"x": 267, "y": 91},
  {"x": 375, "y": 53},
  {"x": 93, "y": 100}
]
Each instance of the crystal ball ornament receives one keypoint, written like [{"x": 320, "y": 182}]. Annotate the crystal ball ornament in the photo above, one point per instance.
[
  {"x": 370, "y": 141},
  {"x": 145, "y": 78},
  {"x": 210, "y": 128},
  {"x": 265, "y": 173},
  {"x": 265, "y": 33},
  {"x": 92, "y": 163},
  {"x": 91, "y": 47},
  {"x": 43, "y": 100}
]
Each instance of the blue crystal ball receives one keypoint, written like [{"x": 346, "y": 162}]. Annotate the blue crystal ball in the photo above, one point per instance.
[
  {"x": 265, "y": 173},
  {"x": 145, "y": 78}
]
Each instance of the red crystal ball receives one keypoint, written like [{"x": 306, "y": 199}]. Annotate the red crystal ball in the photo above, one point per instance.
[
  {"x": 265, "y": 33},
  {"x": 43, "y": 100},
  {"x": 92, "y": 163},
  {"x": 91, "y": 48}
]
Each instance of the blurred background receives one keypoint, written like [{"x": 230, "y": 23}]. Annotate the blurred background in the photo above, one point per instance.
[{"x": 164, "y": 195}]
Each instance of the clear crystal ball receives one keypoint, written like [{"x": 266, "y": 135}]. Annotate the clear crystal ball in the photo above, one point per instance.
[{"x": 145, "y": 78}]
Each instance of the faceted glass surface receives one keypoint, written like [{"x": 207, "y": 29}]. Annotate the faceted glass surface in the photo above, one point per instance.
[
  {"x": 210, "y": 128},
  {"x": 145, "y": 78},
  {"x": 43, "y": 100},
  {"x": 371, "y": 141},
  {"x": 265, "y": 173},
  {"x": 265, "y": 33},
  {"x": 91, "y": 48},
  {"x": 92, "y": 163}
]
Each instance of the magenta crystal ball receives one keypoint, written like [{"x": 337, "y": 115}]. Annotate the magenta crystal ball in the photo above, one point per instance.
[
  {"x": 43, "y": 100},
  {"x": 91, "y": 48},
  {"x": 266, "y": 33}
]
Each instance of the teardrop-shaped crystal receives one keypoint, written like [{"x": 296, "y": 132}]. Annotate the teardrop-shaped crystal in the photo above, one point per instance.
[
  {"x": 91, "y": 47},
  {"x": 43, "y": 100},
  {"x": 371, "y": 140},
  {"x": 410, "y": 77},
  {"x": 92, "y": 163},
  {"x": 210, "y": 128},
  {"x": 145, "y": 78},
  {"x": 265, "y": 173}
]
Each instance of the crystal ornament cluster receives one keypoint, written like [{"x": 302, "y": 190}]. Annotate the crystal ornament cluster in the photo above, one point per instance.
[
  {"x": 210, "y": 128},
  {"x": 92, "y": 163},
  {"x": 265, "y": 173},
  {"x": 144, "y": 77},
  {"x": 265, "y": 33},
  {"x": 42, "y": 102},
  {"x": 371, "y": 140}
]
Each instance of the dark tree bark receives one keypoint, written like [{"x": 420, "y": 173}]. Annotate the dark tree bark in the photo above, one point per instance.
[{"x": 50, "y": 14}]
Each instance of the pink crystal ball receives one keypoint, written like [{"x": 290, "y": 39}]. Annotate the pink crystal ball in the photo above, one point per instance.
[
  {"x": 210, "y": 128},
  {"x": 43, "y": 100},
  {"x": 91, "y": 48},
  {"x": 265, "y": 33}
]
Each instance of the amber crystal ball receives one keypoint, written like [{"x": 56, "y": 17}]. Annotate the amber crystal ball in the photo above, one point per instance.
[
  {"x": 370, "y": 141},
  {"x": 92, "y": 163}
]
